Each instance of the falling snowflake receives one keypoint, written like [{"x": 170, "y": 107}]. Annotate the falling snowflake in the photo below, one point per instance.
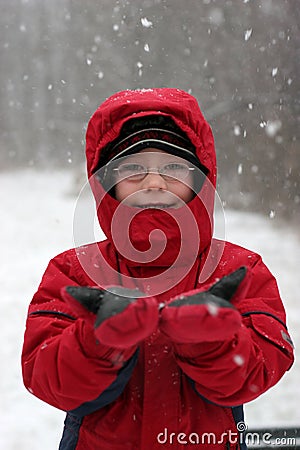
[
  {"x": 248, "y": 34},
  {"x": 239, "y": 360},
  {"x": 237, "y": 130},
  {"x": 146, "y": 23},
  {"x": 272, "y": 127},
  {"x": 213, "y": 309},
  {"x": 140, "y": 65}
]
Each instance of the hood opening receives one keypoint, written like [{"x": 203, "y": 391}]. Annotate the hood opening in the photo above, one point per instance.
[{"x": 178, "y": 112}]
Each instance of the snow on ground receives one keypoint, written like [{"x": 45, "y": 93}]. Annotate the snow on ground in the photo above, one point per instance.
[{"x": 36, "y": 224}]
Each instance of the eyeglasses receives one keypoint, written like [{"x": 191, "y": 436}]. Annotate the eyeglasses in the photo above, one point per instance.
[{"x": 137, "y": 172}]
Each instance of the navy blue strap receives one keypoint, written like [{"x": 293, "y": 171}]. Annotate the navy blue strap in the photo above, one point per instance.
[
  {"x": 111, "y": 393},
  {"x": 238, "y": 415},
  {"x": 70, "y": 435}
]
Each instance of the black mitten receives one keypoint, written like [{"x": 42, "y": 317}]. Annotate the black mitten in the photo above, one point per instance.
[{"x": 121, "y": 317}]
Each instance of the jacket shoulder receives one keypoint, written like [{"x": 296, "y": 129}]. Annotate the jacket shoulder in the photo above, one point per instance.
[
  {"x": 79, "y": 263},
  {"x": 242, "y": 255}
]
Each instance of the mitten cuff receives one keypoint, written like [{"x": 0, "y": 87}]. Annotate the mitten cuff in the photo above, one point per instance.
[{"x": 91, "y": 346}]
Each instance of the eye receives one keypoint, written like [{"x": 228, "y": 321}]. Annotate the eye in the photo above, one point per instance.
[
  {"x": 175, "y": 166},
  {"x": 131, "y": 170},
  {"x": 176, "y": 170},
  {"x": 131, "y": 167}
]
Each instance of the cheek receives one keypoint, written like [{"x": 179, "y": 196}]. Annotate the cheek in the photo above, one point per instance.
[
  {"x": 123, "y": 190},
  {"x": 184, "y": 192}
]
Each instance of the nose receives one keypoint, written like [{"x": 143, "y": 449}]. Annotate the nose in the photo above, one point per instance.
[{"x": 153, "y": 180}]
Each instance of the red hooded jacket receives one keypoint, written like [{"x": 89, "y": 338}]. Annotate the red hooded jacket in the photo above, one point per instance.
[{"x": 159, "y": 397}]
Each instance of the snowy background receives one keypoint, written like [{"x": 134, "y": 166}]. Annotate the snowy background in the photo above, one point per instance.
[
  {"x": 240, "y": 58},
  {"x": 36, "y": 224}
]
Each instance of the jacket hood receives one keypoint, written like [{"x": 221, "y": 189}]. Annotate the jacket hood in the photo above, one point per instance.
[{"x": 153, "y": 237}]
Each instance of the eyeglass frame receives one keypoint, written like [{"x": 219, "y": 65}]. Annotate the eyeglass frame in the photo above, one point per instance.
[{"x": 157, "y": 170}]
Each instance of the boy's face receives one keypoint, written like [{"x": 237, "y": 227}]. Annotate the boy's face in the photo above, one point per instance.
[{"x": 139, "y": 183}]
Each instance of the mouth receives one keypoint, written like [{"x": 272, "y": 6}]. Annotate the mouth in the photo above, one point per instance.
[{"x": 156, "y": 206}]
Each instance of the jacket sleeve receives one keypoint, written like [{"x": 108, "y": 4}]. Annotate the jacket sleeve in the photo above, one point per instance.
[
  {"x": 62, "y": 362},
  {"x": 238, "y": 370}
]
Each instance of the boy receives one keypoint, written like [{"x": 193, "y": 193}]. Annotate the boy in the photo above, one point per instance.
[{"x": 155, "y": 337}]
